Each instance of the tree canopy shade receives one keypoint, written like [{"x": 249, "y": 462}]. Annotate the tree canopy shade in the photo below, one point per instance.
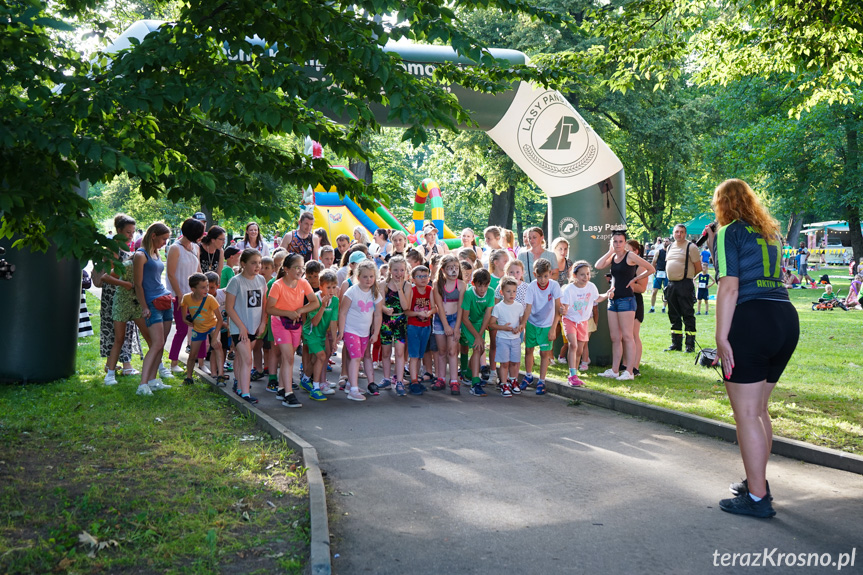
[
  {"x": 191, "y": 123},
  {"x": 816, "y": 44}
]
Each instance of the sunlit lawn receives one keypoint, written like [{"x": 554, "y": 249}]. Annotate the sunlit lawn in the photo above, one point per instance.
[{"x": 818, "y": 398}]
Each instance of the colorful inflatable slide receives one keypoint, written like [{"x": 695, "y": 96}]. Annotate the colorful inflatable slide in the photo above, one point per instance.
[{"x": 341, "y": 215}]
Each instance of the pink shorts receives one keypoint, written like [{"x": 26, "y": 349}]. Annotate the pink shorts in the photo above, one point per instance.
[
  {"x": 282, "y": 335},
  {"x": 578, "y": 329},
  {"x": 356, "y": 345}
]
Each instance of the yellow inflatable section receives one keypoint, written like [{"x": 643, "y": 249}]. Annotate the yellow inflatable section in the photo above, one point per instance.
[{"x": 341, "y": 215}]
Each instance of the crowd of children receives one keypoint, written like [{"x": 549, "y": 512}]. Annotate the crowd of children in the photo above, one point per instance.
[{"x": 456, "y": 317}]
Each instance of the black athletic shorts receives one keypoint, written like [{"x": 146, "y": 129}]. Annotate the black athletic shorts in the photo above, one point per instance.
[
  {"x": 235, "y": 337},
  {"x": 763, "y": 337},
  {"x": 639, "y": 308}
]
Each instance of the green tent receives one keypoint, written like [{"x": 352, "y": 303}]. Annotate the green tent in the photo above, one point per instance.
[{"x": 695, "y": 226}]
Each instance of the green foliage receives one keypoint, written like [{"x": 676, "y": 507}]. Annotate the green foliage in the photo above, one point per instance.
[
  {"x": 817, "y": 46},
  {"x": 192, "y": 124}
]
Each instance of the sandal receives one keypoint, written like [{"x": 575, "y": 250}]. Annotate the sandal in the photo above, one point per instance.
[
  {"x": 131, "y": 371},
  {"x": 439, "y": 385},
  {"x": 454, "y": 388}
]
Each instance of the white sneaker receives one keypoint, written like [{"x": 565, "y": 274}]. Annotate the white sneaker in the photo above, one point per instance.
[
  {"x": 625, "y": 376},
  {"x": 110, "y": 378},
  {"x": 326, "y": 389},
  {"x": 165, "y": 372},
  {"x": 356, "y": 395},
  {"x": 144, "y": 389},
  {"x": 177, "y": 369},
  {"x": 610, "y": 373},
  {"x": 582, "y": 366},
  {"x": 561, "y": 360},
  {"x": 156, "y": 385}
]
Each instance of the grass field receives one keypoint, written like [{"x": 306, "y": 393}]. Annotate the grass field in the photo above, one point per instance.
[
  {"x": 818, "y": 399},
  {"x": 95, "y": 479}
]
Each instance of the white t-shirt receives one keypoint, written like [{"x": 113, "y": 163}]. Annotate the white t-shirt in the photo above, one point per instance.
[
  {"x": 542, "y": 303},
  {"x": 362, "y": 311},
  {"x": 580, "y": 301},
  {"x": 249, "y": 303},
  {"x": 187, "y": 264},
  {"x": 508, "y": 315},
  {"x": 263, "y": 248}
]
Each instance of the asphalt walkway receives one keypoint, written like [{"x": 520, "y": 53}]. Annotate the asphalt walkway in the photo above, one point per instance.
[{"x": 444, "y": 484}]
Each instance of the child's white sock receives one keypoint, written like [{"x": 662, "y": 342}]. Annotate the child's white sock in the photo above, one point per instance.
[
  {"x": 528, "y": 374},
  {"x": 316, "y": 385}
]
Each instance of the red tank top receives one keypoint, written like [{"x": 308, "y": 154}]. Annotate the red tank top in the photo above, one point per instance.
[{"x": 420, "y": 302}]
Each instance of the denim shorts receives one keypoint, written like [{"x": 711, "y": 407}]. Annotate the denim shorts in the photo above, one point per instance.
[
  {"x": 159, "y": 315},
  {"x": 418, "y": 338},
  {"x": 622, "y": 304},
  {"x": 437, "y": 326},
  {"x": 507, "y": 350}
]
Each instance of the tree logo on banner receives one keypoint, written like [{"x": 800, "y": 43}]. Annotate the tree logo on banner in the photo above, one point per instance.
[
  {"x": 555, "y": 139},
  {"x": 568, "y": 228}
]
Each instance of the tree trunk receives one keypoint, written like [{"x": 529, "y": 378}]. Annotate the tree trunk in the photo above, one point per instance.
[
  {"x": 795, "y": 226},
  {"x": 518, "y": 227},
  {"x": 852, "y": 183},
  {"x": 205, "y": 209},
  {"x": 363, "y": 171},
  {"x": 549, "y": 235},
  {"x": 502, "y": 208}
]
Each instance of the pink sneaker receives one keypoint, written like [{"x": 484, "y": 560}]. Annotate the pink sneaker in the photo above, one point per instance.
[{"x": 574, "y": 381}]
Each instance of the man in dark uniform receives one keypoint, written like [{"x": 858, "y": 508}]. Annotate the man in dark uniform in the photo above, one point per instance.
[{"x": 682, "y": 259}]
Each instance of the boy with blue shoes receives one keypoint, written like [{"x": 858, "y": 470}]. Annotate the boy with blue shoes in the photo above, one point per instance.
[
  {"x": 419, "y": 311},
  {"x": 541, "y": 317}
]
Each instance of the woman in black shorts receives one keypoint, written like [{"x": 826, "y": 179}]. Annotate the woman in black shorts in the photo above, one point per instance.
[
  {"x": 638, "y": 289},
  {"x": 757, "y": 329}
]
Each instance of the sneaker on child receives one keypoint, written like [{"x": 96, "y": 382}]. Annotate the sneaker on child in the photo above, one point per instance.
[{"x": 156, "y": 385}]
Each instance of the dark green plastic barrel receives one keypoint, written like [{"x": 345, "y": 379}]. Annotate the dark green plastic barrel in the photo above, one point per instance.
[{"x": 39, "y": 308}]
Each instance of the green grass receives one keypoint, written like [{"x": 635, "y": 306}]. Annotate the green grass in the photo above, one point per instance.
[
  {"x": 177, "y": 483},
  {"x": 817, "y": 400}
]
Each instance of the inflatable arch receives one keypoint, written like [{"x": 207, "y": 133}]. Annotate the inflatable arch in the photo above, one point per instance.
[
  {"x": 538, "y": 128},
  {"x": 542, "y": 133}
]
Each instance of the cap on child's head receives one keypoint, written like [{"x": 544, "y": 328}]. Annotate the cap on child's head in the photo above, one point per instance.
[
  {"x": 357, "y": 257},
  {"x": 231, "y": 251}
]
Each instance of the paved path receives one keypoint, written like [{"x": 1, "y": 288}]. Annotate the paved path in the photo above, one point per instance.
[{"x": 443, "y": 484}]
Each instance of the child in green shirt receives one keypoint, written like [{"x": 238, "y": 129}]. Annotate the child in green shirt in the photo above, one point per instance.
[{"x": 476, "y": 311}]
